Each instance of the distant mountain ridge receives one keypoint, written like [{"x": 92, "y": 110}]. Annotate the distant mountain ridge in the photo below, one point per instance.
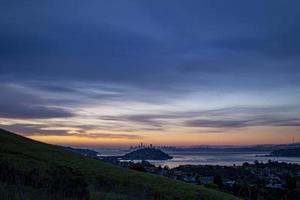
[
  {"x": 295, "y": 152},
  {"x": 230, "y": 148}
]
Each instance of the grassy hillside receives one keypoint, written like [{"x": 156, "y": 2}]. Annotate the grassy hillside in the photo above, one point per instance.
[{"x": 31, "y": 169}]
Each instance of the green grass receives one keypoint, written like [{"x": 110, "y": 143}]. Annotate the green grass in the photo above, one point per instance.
[
  {"x": 118, "y": 183},
  {"x": 12, "y": 192}
]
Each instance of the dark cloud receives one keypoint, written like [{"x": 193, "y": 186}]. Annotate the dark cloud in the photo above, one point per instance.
[
  {"x": 25, "y": 111},
  {"x": 279, "y": 45},
  {"x": 107, "y": 135},
  {"x": 241, "y": 123},
  {"x": 32, "y": 129},
  {"x": 16, "y": 102},
  {"x": 231, "y": 117},
  {"x": 37, "y": 129},
  {"x": 153, "y": 120},
  {"x": 141, "y": 43},
  {"x": 55, "y": 88},
  {"x": 216, "y": 123}
]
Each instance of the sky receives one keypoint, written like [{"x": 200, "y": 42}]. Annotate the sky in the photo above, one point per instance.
[{"x": 117, "y": 73}]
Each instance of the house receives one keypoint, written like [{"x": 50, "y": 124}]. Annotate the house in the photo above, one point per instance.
[
  {"x": 189, "y": 179},
  {"x": 229, "y": 183},
  {"x": 274, "y": 184},
  {"x": 206, "y": 179}
]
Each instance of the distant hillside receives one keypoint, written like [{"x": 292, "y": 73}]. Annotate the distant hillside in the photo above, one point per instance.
[
  {"x": 147, "y": 154},
  {"x": 85, "y": 152},
  {"x": 33, "y": 170},
  {"x": 286, "y": 152},
  {"x": 231, "y": 148}
]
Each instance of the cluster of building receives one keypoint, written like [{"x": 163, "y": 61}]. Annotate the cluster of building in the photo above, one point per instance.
[
  {"x": 250, "y": 181},
  {"x": 142, "y": 146}
]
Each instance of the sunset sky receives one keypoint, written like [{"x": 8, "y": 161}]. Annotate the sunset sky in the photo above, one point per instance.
[{"x": 117, "y": 73}]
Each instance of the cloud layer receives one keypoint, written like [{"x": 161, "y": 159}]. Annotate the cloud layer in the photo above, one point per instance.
[
  {"x": 149, "y": 69},
  {"x": 16, "y": 102}
]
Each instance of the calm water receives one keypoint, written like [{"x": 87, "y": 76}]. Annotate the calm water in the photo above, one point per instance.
[
  {"x": 218, "y": 158},
  {"x": 210, "y": 158}
]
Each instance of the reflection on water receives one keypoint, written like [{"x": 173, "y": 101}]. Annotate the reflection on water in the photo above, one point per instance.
[{"x": 211, "y": 158}]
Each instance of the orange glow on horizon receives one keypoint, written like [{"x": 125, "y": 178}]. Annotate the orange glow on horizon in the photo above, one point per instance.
[{"x": 246, "y": 137}]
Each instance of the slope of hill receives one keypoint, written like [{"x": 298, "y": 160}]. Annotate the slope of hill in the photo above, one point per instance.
[
  {"x": 34, "y": 170},
  {"x": 286, "y": 152},
  {"x": 85, "y": 152}
]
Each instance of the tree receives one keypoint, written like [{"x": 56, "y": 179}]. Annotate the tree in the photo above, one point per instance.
[
  {"x": 290, "y": 182},
  {"x": 218, "y": 181}
]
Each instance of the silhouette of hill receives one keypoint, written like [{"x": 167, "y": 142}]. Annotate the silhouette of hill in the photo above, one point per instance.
[
  {"x": 85, "y": 152},
  {"x": 147, "y": 154},
  {"x": 295, "y": 152},
  {"x": 33, "y": 170}
]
